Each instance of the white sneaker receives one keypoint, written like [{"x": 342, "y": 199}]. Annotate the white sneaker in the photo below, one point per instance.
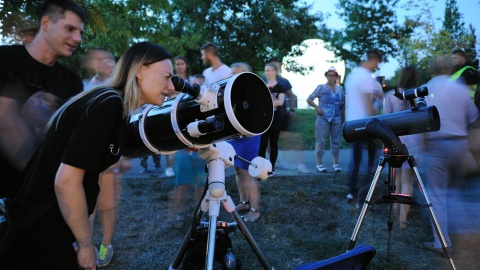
[
  {"x": 337, "y": 168},
  {"x": 169, "y": 172},
  {"x": 303, "y": 169},
  {"x": 321, "y": 168}
]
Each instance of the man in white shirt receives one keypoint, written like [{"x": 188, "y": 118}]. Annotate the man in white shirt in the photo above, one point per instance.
[
  {"x": 361, "y": 92},
  {"x": 217, "y": 70}
]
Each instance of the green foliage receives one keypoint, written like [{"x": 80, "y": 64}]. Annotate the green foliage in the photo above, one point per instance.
[
  {"x": 426, "y": 41},
  {"x": 245, "y": 30},
  {"x": 370, "y": 24},
  {"x": 302, "y": 132},
  {"x": 453, "y": 20}
]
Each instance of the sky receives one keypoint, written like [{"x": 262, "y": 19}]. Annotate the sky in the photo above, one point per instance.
[
  {"x": 469, "y": 8},
  {"x": 320, "y": 58}
]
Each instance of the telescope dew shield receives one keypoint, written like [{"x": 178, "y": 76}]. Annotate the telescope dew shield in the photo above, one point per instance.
[
  {"x": 245, "y": 107},
  {"x": 402, "y": 123}
]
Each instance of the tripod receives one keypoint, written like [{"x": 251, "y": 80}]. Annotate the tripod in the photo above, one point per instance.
[
  {"x": 218, "y": 156},
  {"x": 395, "y": 155}
]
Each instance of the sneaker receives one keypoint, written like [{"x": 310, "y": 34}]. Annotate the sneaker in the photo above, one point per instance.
[
  {"x": 144, "y": 170},
  {"x": 159, "y": 169},
  {"x": 321, "y": 168},
  {"x": 169, "y": 172},
  {"x": 271, "y": 174},
  {"x": 104, "y": 255},
  {"x": 337, "y": 168},
  {"x": 303, "y": 169}
]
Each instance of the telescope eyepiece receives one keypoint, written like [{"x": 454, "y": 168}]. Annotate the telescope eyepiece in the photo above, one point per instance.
[
  {"x": 410, "y": 94},
  {"x": 183, "y": 86},
  {"x": 211, "y": 124}
]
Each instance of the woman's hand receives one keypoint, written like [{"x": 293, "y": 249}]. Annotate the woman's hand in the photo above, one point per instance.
[
  {"x": 319, "y": 111},
  {"x": 124, "y": 165},
  {"x": 87, "y": 256}
]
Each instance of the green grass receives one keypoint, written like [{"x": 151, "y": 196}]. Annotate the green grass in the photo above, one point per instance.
[
  {"x": 302, "y": 132},
  {"x": 304, "y": 219}
]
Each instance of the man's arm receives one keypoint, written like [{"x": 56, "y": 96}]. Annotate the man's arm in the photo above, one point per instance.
[
  {"x": 17, "y": 142},
  {"x": 73, "y": 205},
  {"x": 367, "y": 101}
]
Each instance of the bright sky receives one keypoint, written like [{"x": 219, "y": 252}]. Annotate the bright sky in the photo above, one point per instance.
[{"x": 469, "y": 8}]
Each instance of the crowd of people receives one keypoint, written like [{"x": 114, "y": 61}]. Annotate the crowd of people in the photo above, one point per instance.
[{"x": 62, "y": 136}]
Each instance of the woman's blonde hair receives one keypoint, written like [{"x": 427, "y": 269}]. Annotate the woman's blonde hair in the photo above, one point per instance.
[{"x": 124, "y": 78}]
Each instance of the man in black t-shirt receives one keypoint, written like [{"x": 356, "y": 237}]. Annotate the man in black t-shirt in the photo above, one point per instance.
[{"x": 33, "y": 85}]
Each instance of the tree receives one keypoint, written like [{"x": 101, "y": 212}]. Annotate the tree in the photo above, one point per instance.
[
  {"x": 426, "y": 41},
  {"x": 461, "y": 37},
  {"x": 453, "y": 20},
  {"x": 370, "y": 24},
  {"x": 245, "y": 30}
]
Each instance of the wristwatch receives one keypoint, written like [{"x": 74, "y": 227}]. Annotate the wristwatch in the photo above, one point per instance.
[{"x": 292, "y": 110}]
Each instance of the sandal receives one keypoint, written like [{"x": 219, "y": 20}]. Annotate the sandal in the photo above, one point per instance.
[
  {"x": 337, "y": 168},
  {"x": 248, "y": 217},
  {"x": 242, "y": 206},
  {"x": 321, "y": 168}
]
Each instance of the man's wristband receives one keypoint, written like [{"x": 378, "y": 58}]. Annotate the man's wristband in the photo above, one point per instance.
[{"x": 292, "y": 110}]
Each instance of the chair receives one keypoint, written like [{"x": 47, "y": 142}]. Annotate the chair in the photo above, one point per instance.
[{"x": 355, "y": 259}]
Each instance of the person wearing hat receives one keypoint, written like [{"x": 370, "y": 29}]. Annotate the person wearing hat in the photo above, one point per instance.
[{"x": 331, "y": 101}]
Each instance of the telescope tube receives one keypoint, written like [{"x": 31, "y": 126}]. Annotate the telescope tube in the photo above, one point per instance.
[{"x": 402, "y": 123}]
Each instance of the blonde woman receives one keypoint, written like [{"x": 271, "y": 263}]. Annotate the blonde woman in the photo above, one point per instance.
[{"x": 83, "y": 139}]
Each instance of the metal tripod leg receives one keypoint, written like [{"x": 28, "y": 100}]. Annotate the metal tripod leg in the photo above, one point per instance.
[
  {"x": 183, "y": 248},
  {"x": 228, "y": 203},
  {"x": 230, "y": 207},
  {"x": 446, "y": 250},
  {"x": 218, "y": 156},
  {"x": 391, "y": 184},
  {"x": 411, "y": 161},
  {"x": 381, "y": 164},
  {"x": 248, "y": 236}
]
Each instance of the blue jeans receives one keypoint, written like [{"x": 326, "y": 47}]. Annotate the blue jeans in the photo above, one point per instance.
[
  {"x": 354, "y": 168},
  {"x": 445, "y": 161},
  {"x": 156, "y": 161}
]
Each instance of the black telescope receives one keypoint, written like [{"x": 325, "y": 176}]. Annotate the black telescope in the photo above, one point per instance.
[
  {"x": 415, "y": 96},
  {"x": 410, "y": 94},
  {"x": 201, "y": 115},
  {"x": 407, "y": 122}
]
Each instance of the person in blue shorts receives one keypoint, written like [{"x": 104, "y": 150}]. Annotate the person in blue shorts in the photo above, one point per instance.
[{"x": 247, "y": 148}]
